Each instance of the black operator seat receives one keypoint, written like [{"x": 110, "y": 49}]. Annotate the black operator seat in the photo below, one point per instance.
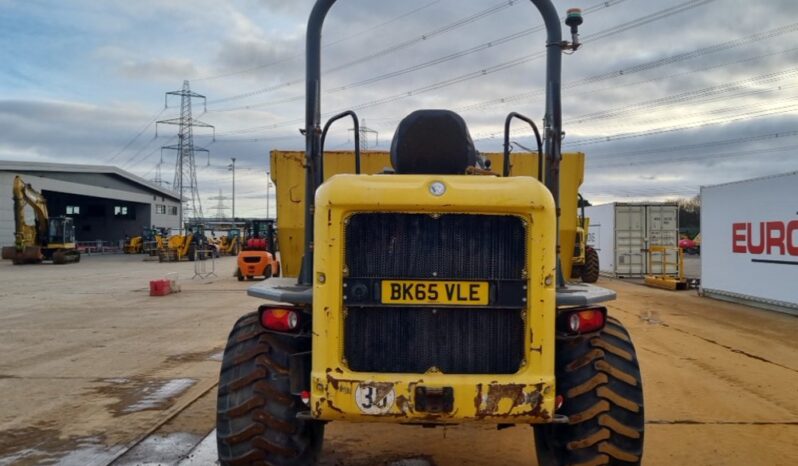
[{"x": 434, "y": 142}]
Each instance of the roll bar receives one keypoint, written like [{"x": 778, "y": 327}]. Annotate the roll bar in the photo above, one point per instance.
[{"x": 552, "y": 119}]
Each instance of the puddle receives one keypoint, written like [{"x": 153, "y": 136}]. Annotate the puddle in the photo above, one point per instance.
[
  {"x": 161, "y": 396},
  {"x": 117, "y": 380},
  {"x": 135, "y": 395},
  {"x": 160, "y": 450},
  {"x": 41, "y": 445},
  {"x": 411, "y": 462},
  {"x": 205, "y": 454},
  {"x": 197, "y": 356}
]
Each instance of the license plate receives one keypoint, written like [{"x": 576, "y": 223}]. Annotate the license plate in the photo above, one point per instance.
[{"x": 452, "y": 293}]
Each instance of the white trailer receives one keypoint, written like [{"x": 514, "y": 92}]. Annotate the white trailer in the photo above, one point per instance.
[
  {"x": 749, "y": 242},
  {"x": 622, "y": 232}
]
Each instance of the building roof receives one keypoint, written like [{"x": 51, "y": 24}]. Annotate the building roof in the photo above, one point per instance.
[
  {"x": 17, "y": 166},
  {"x": 766, "y": 177}
]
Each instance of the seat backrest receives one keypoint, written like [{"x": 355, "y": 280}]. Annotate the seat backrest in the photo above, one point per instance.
[{"x": 432, "y": 142}]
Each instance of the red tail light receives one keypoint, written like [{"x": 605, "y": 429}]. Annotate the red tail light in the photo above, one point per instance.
[
  {"x": 580, "y": 321},
  {"x": 279, "y": 319}
]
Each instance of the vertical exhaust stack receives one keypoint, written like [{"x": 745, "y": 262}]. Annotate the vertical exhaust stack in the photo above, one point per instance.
[{"x": 312, "y": 131}]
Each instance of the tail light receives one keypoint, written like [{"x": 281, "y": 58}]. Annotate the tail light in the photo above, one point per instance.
[
  {"x": 280, "y": 319},
  {"x": 581, "y": 321}
]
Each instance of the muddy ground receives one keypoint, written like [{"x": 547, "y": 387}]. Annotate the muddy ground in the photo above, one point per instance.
[{"x": 94, "y": 371}]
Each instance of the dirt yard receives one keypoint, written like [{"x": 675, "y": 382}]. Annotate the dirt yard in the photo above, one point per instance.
[{"x": 94, "y": 371}]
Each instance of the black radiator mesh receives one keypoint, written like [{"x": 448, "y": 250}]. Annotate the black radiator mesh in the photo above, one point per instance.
[
  {"x": 457, "y": 246},
  {"x": 414, "y": 339}
]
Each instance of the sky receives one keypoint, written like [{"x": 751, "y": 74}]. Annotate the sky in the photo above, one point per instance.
[{"x": 663, "y": 97}]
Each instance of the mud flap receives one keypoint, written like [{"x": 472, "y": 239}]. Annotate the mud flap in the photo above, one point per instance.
[{"x": 299, "y": 372}]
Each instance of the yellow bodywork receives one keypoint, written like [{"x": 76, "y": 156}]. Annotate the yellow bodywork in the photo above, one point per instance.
[
  {"x": 582, "y": 228},
  {"x": 24, "y": 195},
  {"x": 288, "y": 174},
  {"x": 527, "y": 396},
  {"x": 134, "y": 245},
  {"x": 669, "y": 262},
  {"x": 177, "y": 248}
]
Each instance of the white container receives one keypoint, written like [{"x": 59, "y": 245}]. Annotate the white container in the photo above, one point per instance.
[
  {"x": 622, "y": 232},
  {"x": 749, "y": 242}
]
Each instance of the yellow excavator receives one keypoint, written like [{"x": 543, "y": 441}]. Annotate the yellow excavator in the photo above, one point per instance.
[
  {"x": 48, "y": 239},
  {"x": 186, "y": 246},
  {"x": 150, "y": 242},
  {"x": 134, "y": 245}
]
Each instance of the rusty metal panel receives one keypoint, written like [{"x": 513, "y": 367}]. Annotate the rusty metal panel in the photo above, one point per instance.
[{"x": 340, "y": 392}]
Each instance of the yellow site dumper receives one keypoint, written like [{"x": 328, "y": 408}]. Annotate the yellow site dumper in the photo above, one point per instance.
[{"x": 431, "y": 293}]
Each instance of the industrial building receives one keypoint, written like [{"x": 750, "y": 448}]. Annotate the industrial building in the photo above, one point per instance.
[{"x": 106, "y": 203}]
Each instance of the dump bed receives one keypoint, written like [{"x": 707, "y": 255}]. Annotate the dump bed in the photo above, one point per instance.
[{"x": 288, "y": 174}]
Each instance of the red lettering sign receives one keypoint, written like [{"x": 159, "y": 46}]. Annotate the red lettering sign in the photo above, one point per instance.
[
  {"x": 772, "y": 238},
  {"x": 738, "y": 238}
]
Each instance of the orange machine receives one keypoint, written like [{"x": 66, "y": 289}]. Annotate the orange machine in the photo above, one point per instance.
[{"x": 258, "y": 256}]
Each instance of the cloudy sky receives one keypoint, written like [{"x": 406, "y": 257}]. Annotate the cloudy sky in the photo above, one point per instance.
[{"x": 664, "y": 96}]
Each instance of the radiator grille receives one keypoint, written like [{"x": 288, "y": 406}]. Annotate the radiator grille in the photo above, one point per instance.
[
  {"x": 462, "y": 246},
  {"x": 413, "y": 339}
]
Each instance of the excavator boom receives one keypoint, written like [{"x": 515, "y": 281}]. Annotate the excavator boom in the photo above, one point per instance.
[{"x": 32, "y": 242}]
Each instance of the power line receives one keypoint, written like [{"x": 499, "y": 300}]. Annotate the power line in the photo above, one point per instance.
[
  {"x": 656, "y": 131},
  {"x": 495, "y": 68},
  {"x": 135, "y": 138},
  {"x": 692, "y": 158},
  {"x": 701, "y": 145},
  {"x": 704, "y": 95},
  {"x": 427, "y": 64},
  {"x": 707, "y": 93},
  {"x": 386, "y": 51},
  {"x": 330, "y": 44},
  {"x": 132, "y": 159},
  {"x": 647, "y": 66}
]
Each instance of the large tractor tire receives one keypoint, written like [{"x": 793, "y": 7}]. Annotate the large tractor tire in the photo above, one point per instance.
[
  {"x": 256, "y": 415},
  {"x": 590, "y": 271},
  {"x": 599, "y": 379}
]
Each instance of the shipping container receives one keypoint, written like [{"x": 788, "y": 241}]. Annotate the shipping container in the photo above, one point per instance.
[
  {"x": 621, "y": 233},
  {"x": 749, "y": 242}
]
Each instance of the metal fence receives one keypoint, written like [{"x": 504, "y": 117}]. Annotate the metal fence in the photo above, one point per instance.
[{"x": 202, "y": 259}]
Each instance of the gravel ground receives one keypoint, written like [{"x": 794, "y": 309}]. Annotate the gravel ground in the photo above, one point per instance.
[{"x": 90, "y": 366}]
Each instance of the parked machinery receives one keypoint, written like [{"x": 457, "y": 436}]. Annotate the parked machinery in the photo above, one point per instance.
[
  {"x": 586, "y": 259},
  {"x": 193, "y": 244},
  {"x": 230, "y": 244},
  {"x": 49, "y": 238},
  {"x": 432, "y": 296},
  {"x": 155, "y": 240},
  {"x": 133, "y": 245},
  {"x": 258, "y": 256}
]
